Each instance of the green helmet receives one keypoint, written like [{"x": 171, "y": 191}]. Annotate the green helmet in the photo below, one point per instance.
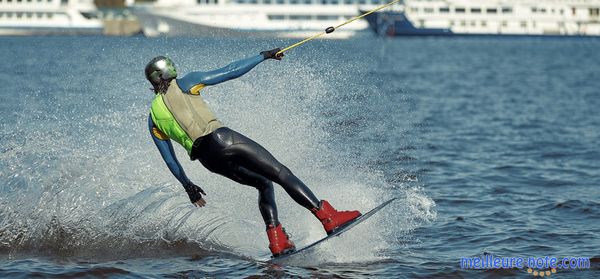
[{"x": 160, "y": 70}]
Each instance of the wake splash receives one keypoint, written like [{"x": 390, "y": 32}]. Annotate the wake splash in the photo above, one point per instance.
[{"x": 80, "y": 177}]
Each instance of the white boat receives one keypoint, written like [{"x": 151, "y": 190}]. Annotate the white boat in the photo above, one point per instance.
[
  {"x": 286, "y": 18},
  {"x": 490, "y": 17},
  {"x": 41, "y": 17}
]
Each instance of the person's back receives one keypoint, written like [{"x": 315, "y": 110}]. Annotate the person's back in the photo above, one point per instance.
[{"x": 184, "y": 117}]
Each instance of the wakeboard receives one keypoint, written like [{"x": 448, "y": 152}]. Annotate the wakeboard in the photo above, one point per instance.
[{"x": 338, "y": 232}]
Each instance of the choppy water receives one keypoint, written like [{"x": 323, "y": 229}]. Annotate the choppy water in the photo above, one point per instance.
[{"x": 491, "y": 144}]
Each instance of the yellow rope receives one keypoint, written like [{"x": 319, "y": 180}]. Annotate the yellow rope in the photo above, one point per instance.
[{"x": 342, "y": 24}]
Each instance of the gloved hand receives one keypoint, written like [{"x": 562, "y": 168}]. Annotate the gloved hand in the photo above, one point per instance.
[
  {"x": 195, "y": 194},
  {"x": 272, "y": 54}
]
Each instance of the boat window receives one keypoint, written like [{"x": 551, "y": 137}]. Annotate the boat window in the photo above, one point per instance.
[
  {"x": 308, "y": 2},
  {"x": 574, "y": 10},
  {"x": 483, "y": 23},
  {"x": 444, "y": 10},
  {"x": 463, "y": 23},
  {"x": 491, "y": 10},
  {"x": 414, "y": 9},
  {"x": 362, "y": 2},
  {"x": 428, "y": 10},
  {"x": 88, "y": 15},
  {"x": 594, "y": 12},
  {"x": 473, "y": 23},
  {"x": 299, "y": 17},
  {"x": 294, "y": 2},
  {"x": 476, "y": 10},
  {"x": 280, "y": 1},
  {"x": 276, "y": 17},
  {"x": 376, "y": 2},
  {"x": 543, "y": 10},
  {"x": 327, "y": 17},
  {"x": 266, "y": 1},
  {"x": 523, "y": 23},
  {"x": 459, "y": 10},
  {"x": 504, "y": 24},
  {"x": 1, "y": 13},
  {"x": 348, "y": 2},
  {"x": 507, "y": 10}
]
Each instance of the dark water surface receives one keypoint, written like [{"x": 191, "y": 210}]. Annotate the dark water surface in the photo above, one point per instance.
[{"x": 491, "y": 145}]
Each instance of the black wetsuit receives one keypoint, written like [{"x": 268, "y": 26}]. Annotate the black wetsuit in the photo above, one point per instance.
[{"x": 239, "y": 158}]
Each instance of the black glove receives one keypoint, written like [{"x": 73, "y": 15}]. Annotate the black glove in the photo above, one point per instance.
[
  {"x": 194, "y": 192},
  {"x": 272, "y": 54}
]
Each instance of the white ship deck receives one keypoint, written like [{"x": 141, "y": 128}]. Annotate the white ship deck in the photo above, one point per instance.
[
  {"x": 48, "y": 17},
  {"x": 286, "y": 18}
]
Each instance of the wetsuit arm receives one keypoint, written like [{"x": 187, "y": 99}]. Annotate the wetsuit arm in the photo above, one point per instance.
[
  {"x": 231, "y": 71},
  {"x": 168, "y": 154}
]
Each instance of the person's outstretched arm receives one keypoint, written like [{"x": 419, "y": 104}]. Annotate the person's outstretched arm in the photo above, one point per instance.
[
  {"x": 163, "y": 143},
  {"x": 194, "y": 81}
]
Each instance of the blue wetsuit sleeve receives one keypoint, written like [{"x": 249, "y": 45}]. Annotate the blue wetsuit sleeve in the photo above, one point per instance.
[
  {"x": 168, "y": 154},
  {"x": 231, "y": 71}
]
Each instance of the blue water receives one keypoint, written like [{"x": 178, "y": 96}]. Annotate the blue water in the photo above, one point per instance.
[{"x": 490, "y": 144}]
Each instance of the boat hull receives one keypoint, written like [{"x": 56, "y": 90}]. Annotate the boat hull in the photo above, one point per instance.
[
  {"x": 397, "y": 24},
  {"x": 43, "y": 31}
]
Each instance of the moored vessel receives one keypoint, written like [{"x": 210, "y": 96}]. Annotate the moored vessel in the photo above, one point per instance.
[
  {"x": 490, "y": 17},
  {"x": 283, "y": 18},
  {"x": 45, "y": 17}
]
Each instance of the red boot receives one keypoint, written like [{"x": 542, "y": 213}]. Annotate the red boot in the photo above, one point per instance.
[
  {"x": 333, "y": 219},
  {"x": 280, "y": 242}
]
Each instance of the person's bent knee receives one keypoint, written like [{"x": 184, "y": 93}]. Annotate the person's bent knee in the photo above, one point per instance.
[
  {"x": 284, "y": 173},
  {"x": 263, "y": 185}
]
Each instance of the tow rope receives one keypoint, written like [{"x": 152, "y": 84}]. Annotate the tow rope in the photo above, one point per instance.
[{"x": 330, "y": 29}]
